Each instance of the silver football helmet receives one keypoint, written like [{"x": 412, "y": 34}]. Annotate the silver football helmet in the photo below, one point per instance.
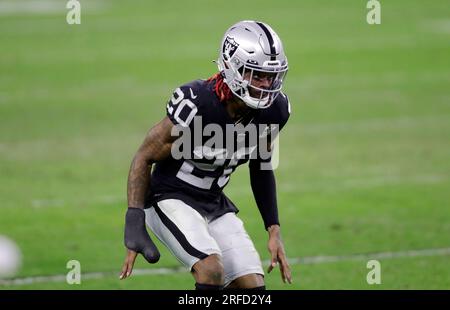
[{"x": 252, "y": 51}]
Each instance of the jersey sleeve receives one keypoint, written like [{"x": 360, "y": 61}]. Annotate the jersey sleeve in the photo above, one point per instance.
[{"x": 182, "y": 107}]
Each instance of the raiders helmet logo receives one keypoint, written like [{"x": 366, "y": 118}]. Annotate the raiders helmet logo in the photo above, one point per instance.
[{"x": 229, "y": 48}]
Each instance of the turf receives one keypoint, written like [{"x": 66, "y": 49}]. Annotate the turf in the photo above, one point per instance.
[{"x": 364, "y": 159}]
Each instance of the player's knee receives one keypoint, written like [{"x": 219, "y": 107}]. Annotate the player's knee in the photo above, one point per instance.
[
  {"x": 209, "y": 270},
  {"x": 249, "y": 281},
  {"x": 213, "y": 270}
]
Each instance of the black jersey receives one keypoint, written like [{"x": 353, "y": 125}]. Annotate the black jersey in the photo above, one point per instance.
[{"x": 199, "y": 179}]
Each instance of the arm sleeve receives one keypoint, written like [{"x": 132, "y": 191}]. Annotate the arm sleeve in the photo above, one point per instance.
[
  {"x": 264, "y": 191},
  {"x": 263, "y": 180}
]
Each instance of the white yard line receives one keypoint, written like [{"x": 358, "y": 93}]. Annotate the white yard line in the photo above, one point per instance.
[
  {"x": 31, "y": 7},
  {"x": 46, "y": 7},
  {"x": 437, "y": 25},
  {"x": 108, "y": 199},
  {"x": 345, "y": 184},
  {"x": 312, "y": 260}
]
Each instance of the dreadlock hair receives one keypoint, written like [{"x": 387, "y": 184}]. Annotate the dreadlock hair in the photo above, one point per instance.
[{"x": 221, "y": 88}]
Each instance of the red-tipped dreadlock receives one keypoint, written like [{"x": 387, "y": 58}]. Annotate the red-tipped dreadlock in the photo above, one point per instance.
[{"x": 221, "y": 88}]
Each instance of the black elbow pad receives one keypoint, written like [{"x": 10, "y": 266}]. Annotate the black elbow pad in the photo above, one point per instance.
[{"x": 137, "y": 237}]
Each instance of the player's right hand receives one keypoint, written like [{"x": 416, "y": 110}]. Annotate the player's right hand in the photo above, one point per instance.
[{"x": 127, "y": 267}]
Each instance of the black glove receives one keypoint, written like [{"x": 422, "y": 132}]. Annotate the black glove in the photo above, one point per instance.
[{"x": 137, "y": 237}]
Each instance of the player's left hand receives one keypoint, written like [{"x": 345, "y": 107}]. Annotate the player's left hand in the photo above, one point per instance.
[
  {"x": 127, "y": 267},
  {"x": 278, "y": 255},
  {"x": 137, "y": 240}
]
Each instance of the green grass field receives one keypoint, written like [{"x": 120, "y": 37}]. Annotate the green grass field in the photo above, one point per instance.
[{"x": 364, "y": 159}]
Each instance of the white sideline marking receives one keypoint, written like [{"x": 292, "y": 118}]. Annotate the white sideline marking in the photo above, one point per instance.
[{"x": 311, "y": 260}]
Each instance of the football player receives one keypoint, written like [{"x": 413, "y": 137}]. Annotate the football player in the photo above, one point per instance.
[{"x": 181, "y": 200}]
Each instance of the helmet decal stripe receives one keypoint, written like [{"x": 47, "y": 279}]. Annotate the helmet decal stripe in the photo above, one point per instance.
[{"x": 270, "y": 39}]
